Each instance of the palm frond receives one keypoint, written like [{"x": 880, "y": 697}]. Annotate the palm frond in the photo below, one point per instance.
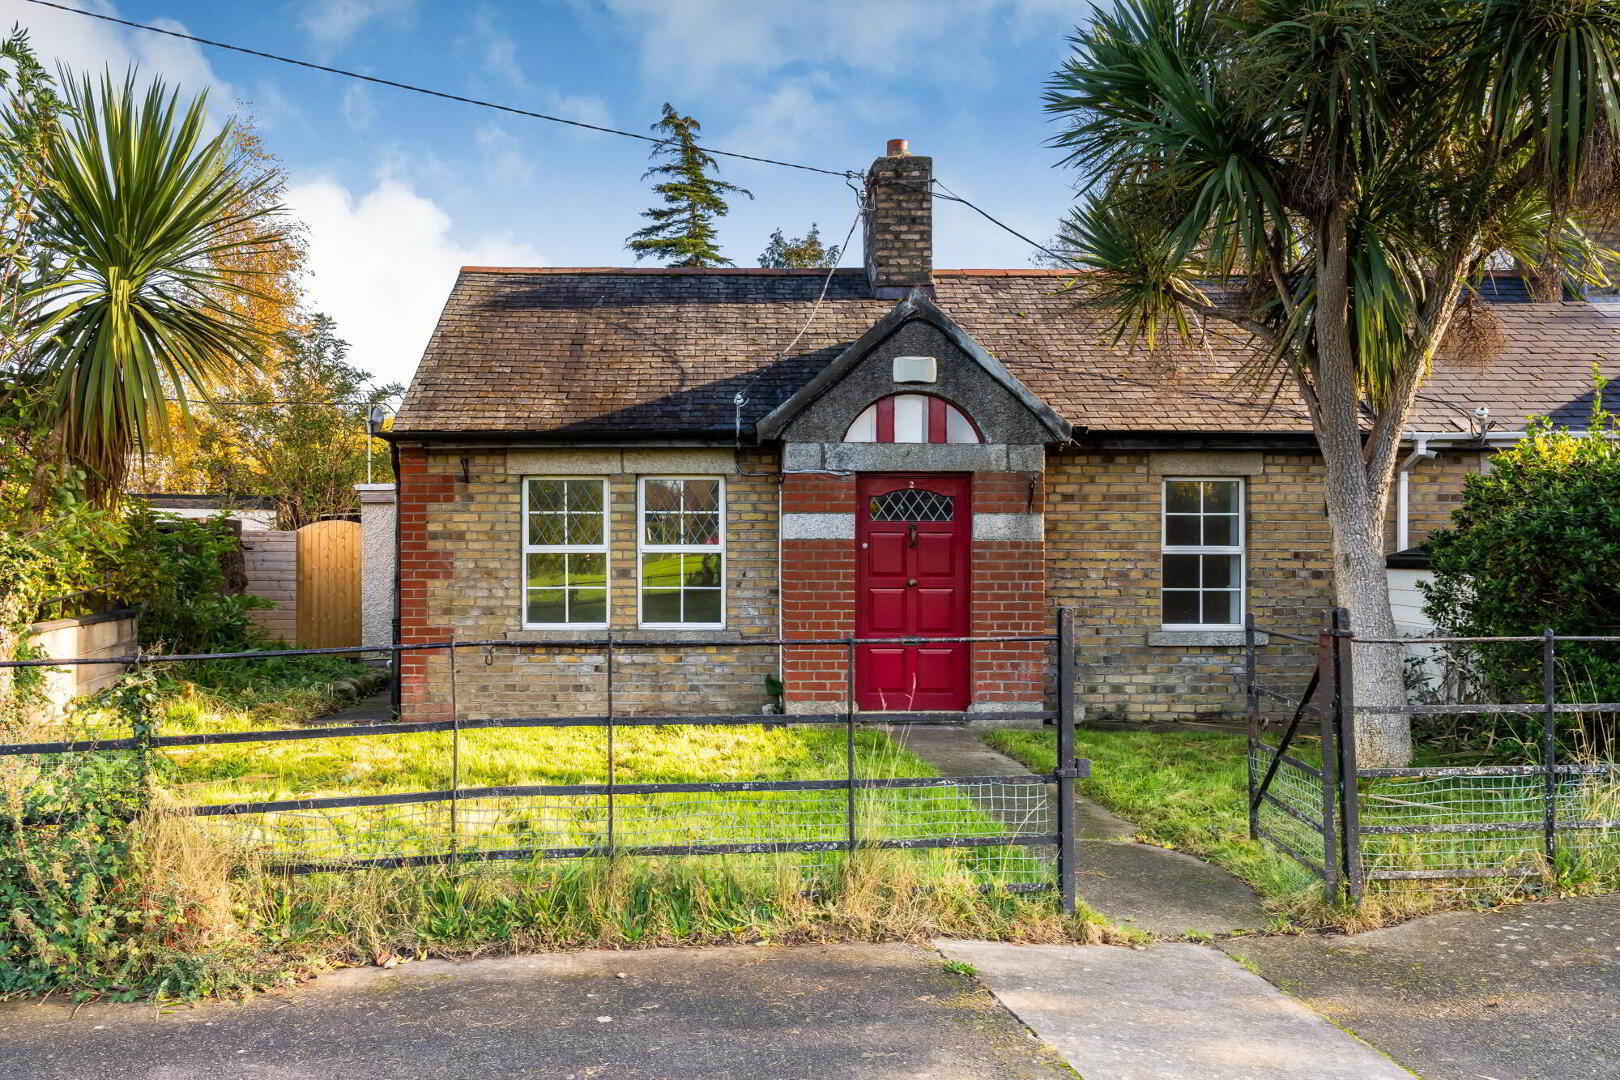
[{"x": 141, "y": 210}]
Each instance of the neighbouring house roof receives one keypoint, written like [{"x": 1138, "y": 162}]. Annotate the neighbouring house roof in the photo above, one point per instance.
[{"x": 607, "y": 353}]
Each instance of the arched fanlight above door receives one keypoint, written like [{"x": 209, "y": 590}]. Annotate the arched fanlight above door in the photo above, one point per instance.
[{"x": 912, "y": 418}]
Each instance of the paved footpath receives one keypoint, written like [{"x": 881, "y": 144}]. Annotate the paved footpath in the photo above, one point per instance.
[
  {"x": 1137, "y": 885},
  {"x": 1172, "y": 1011},
  {"x": 867, "y": 1012}
]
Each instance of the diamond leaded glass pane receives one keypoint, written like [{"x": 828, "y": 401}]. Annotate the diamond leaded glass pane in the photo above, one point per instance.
[{"x": 912, "y": 504}]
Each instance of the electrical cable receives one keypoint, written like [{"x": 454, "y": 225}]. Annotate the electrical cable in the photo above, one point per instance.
[{"x": 422, "y": 89}]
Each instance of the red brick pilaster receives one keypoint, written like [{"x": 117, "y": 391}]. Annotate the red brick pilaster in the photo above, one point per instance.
[
  {"x": 423, "y": 685},
  {"x": 818, "y": 592}
]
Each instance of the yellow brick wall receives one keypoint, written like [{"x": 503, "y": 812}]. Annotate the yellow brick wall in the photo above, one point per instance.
[
  {"x": 1102, "y": 557},
  {"x": 479, "y": 526},
  {"x": 1434, "y": 491},
  {"x": 1102, "y": 526}
]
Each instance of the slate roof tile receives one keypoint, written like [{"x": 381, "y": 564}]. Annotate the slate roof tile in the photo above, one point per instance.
[{"x": 601, "y": 352}]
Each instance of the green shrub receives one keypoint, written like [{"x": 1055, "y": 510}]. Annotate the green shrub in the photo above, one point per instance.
[
  {"x": 173, "y": 570},
  {"x": 1535, "y": 544}
]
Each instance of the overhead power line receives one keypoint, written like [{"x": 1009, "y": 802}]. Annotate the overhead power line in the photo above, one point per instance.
[{"x": 481, "y": 103}]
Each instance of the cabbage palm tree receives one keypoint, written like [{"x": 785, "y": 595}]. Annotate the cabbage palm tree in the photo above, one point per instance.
[
  {"x": 1329, "y": 176},
  {"x": 140, "y": 210}
]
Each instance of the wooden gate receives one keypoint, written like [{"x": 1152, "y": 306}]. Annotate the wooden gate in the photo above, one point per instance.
[{"x": 329, "y": 584}]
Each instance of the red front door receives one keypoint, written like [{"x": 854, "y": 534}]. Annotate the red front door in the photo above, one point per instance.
[{"x": 913, "y": 536}]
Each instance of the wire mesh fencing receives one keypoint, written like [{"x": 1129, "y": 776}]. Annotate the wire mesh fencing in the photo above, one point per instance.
[
  {"x": 406, "y": 793},
  {"x": 1495, "y": 825}
]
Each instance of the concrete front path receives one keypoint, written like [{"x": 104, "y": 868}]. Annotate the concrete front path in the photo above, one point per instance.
[
  {"x": 1525, "y": 993},
  {"x": 1136, "y": 885},
  {"x": 867, "y": 1012},
  {"x": 1167, "y": 1012}
]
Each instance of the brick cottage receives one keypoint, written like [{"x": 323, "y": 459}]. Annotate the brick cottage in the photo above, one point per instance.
[{"x": 711, "y": 454}]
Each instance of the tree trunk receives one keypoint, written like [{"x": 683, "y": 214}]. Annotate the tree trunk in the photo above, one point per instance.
[
  {"x": 1356, "y": 507},
  {"x": 1361, "y": 586}
]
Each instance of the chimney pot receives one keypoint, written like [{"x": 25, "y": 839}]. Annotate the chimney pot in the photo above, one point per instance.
[{"x": 897, "y": 148}]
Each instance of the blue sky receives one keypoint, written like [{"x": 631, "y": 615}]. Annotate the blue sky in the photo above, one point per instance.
[{"x": 399, "y": 189}]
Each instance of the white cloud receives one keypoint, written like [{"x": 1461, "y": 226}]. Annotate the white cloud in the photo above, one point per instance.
[
  {"x": 381, "y": 265},
  {"x": 330, "y": 24},
  {"x": 505, "y": 159},
  {"x": 691, "y": 44},
  {"x": 89, "y": 45},
  {"x": 359, "y": 110},
  {"x": 497, "y": 49}
]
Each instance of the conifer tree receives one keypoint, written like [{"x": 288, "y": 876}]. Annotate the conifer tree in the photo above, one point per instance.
[
  {"x": 806, "y": 252},
  {"x": 682, "y": 230}
]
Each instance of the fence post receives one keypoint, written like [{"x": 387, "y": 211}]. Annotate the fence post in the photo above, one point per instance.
[
  {"x": 1252, "y": 711},
  {"x": 1328, "y": 675},
  {"x": 140, "y": 726},
  {"x": 849, "y": 744},
  {"x": 1549, "y": 746},
  {"x": 1344, "y": 710},
  {"x": 612, "y": 774},
  {"x": 1065, "y": 758},
  {"x": 455, "y": 760}
]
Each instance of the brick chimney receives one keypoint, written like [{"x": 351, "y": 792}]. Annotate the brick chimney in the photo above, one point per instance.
[{"x": 899, "y": 234}]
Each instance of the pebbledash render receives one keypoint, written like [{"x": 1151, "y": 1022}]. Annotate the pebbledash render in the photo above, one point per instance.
[{"x": 714, "y": 455}]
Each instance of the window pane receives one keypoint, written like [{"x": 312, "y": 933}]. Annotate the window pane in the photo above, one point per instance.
[
  {"x": 584, "y": 495},
  {"x": 546, "y": 606},
  {"x": 1220, "y": 497},
  {"x": 585, "y": 528},
  {"x": 546, "y": 529},
  {"x": 1180, "y": 607},
  {"x": 1221, "y": 531},
  {"x": 661, "y": 494},
  {"x": 663, "y": 529},
  {"x": 1181, "y": 497},
  {"x": 1220, "y": 571},
  {"x": 702, "y": 571},
  {"x": 1181, "y": 571},
  {"x": 587, "y": 571},
  {"x": 661, "y": 606},
  {"x": 701, "y": 528},
  {"x": 700, "y": 495},
  {"x": 702, "y": 606},
  {"x": 661, "y": 571},
  {"x": 910, "y": 418},
  {"x": 1220, "y": 607},
  {"x": 957, "y": 428},
  {"x": 864, "y": 429},
  {"x": 1181, "y": 529},
  {"x": 546, "y": 495},
  {"x": 587, "y": 605},
  {"x": 545, "y": 571}
]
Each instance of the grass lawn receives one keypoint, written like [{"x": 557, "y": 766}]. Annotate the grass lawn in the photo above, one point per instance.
[
  {"x": 529, "y": 903},
  {"x": 1187, "y": 790},
  {"x": 1182, "y": 789}
]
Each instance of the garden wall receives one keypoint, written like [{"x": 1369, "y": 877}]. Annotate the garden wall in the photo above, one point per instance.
[{"x": 109, "y": 633}]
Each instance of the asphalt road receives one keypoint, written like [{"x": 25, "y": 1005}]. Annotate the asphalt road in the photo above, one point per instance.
[
  {"x": 873, "y": 1012},
  {"x": 1526, "y": 993}
]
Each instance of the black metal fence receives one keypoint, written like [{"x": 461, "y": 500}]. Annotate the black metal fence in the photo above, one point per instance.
[
  {"x": 1006, "y": 828},
  {"x": 1351, "y": 825}
]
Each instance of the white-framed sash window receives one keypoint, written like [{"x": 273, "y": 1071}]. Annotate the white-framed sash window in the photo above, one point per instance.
[
  {"x": 681, "y": 548},
  {"x": 1202, "y": 560},
  {"x": 565, "y": 552}
]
